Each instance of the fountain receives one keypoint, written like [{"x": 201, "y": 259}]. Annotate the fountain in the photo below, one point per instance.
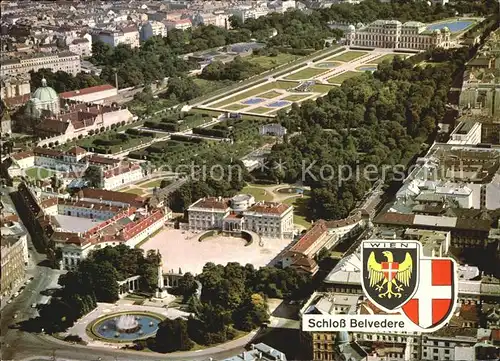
[
  {"x": 127, "y": 324},
  {"x": 126, "y": 327}
]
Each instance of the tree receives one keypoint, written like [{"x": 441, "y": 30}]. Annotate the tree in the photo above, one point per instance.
[
  {"x": 93, "y": 175},
  {"x": 172, "y": 335},
  {"x": 55, "y": 182},
  {"x": 187, "y": 286}
]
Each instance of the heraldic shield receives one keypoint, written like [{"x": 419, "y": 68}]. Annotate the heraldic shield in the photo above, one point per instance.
[{"x": 390, "y": 272}]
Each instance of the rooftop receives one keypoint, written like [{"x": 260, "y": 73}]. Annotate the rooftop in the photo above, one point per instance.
[{"x": 85, "y": 91}]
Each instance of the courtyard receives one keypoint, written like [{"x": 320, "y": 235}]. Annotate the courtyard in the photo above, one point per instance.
[{"x": 181, "y": 250}]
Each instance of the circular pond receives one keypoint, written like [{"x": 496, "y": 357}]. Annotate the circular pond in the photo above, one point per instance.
[
  {"x": 291, "y": 190},
  {"x": 126, "y": 327}
]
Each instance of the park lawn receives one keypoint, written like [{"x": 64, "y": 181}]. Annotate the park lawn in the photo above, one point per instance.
[
  {"x": 258, "y": 193},
  {"x": 212, "y": 113},
  {"x": 387, "y": 57},
  {"x": 269, "y": 62},
  {"x": 322, "y": 88},
  {"x": 299, "y": 210},
  {"x": 306, "y": 73},
  {"x": 270, "y": 94},
  {"x": 136, "y": 191},
  {"x": 295, "y": 97},
  {"x": 339, "y": 79},
  {"x": 235, "y": 106},
  {"x": 348, "y": 56},
  {"x": 260, "y": 110},
  {"x": 39, "y": 173},
  {"x": 253, "y": 92},
  {"x": 152, "y": 184}
]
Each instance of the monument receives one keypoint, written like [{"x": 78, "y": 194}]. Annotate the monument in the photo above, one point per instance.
[{"x": 161, "y": 291}]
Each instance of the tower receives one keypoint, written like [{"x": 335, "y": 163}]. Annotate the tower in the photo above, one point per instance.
[{"x": 161, "y": 291}]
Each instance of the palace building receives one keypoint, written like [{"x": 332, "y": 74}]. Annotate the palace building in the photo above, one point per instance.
[
  {"x": 393, "y": 34},
  {"x": 242, "y": 213}
]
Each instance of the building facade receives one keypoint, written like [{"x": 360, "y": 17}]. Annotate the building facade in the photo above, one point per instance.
[
  {"x": 65, "y": 61},
  {"x": 128, "y": 35},
  {"x": 14, "y": 86},
  {"x": 242, "y": 213},
  {"x": 13, "y": 259},
  {"x": 81, "y": 46},
  {"x": 153, "y": 28},
  {"x": 396, "y": 35}
]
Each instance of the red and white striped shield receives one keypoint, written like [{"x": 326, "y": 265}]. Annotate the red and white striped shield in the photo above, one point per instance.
[{"x": 433, "y": 304}]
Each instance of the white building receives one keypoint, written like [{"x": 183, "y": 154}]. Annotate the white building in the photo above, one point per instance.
[
  {"x": 13, "y": 86},
  {"x": 248, "y": 12},
  {"x": 242, "y": 213},
  {"x": 466, "y": 133},
  {"x": 153, "y": 28},
  {"x": 81, "y": 46},
  {"x": 94, "y": 95},
  {"x": 127, "y": 35},
  {"x": 65, "y": 61},
  {"x": 393, "y": 34},
  {"x": 180, "y": 24},
  {"x": 121, "y": 175}
]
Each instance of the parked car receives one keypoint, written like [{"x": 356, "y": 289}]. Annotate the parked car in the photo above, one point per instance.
[
  {"x": 15, "y": 315},
  {"x": 33, "y": 305},
  {"x": 15, "y": 295}
]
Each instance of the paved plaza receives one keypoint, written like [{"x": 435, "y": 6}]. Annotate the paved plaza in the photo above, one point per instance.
[{"x": 182, "y": 250}]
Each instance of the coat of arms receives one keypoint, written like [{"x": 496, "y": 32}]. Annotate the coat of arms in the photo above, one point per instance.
[{"x": 390, "y": 272}]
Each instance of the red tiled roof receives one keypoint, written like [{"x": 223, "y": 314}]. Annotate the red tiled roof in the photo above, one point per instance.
[
  {"x": 127, "y": 198},
  {"x": 22, "y": 155},
  {"x": 132, "y": 229},
  {"x": 308, "y": 239},
  {"x": 85, "y": 91},
  {"x": 47, "y": 152},
  {"x": 17, "y": 100},
  {"x": 97, "y": 159},
  {"x": 495, "y": 335},
  {"x": 395, "y": 218},
  {"x": 48, "y": 203},
  {"x": 469, "y": 312},
  {"x": 212, "y": 203},
  {"x": 76, "y": 151},
  {"x": 269, "y": 207}
]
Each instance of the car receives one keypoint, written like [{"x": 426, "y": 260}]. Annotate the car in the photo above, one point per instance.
[
  {"x": 21, "y": 288},
  {"x": 33, "y": 305},
  {"x": 31, "y": 278},
  {"x": 15, "y": 295},
  {"x": 9, "y": 301},
  {"x": 15, "y": 316}
]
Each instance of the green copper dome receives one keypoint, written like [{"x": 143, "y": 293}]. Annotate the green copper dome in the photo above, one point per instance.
[{"x": 45, "y": 93}]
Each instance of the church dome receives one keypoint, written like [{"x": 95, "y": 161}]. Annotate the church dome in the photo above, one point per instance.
[
  {"x": 45, "y": 93},
  {"x": 445, "y": 29},
  {"x": 351, "y": 28}
]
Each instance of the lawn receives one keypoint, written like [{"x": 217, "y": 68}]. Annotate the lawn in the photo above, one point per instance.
[
  {"x": 348, "y": 56},
  {"x": 252, "y": 92},
  {"x": 270, "y": 94},
  {"x": 151, "y": 184},
  {"x": 387, "y": 57},
  {"x": 136, "y": 191},
  {"x": 339, "y": 79},
  {"x": 322, "y": 88},
  {"x": 258, "y": 193},
  {"x": 299, "y": 210},
  {"x": 295, "y": 97},
  {"x": 306, "y": 73},
  {"x": 269, "y": 62},
  {"x": 260, "y": 110},
  {"x": 235, "y": 106},
  {"x": 39, "y": 173}
]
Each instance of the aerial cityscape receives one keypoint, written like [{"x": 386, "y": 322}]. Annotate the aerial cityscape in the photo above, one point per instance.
[{"x": 188, "y": 180}]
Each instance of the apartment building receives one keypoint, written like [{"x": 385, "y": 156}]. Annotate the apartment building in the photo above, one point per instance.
[
  {"x": 127, "y": 35},
  {"x": 81, "y": 46},
  {"x": 466, "y": 133},
  {"x": 242, "y": 213},
  {"x": 64, "y": 61},
  {"x": 393, "y": 34},
  {"x": 14, "y": 86},
  {"x": 180, "y": 24},
  {"x": 152, "y": 28},
  {"x": 13, "y": 259}
]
